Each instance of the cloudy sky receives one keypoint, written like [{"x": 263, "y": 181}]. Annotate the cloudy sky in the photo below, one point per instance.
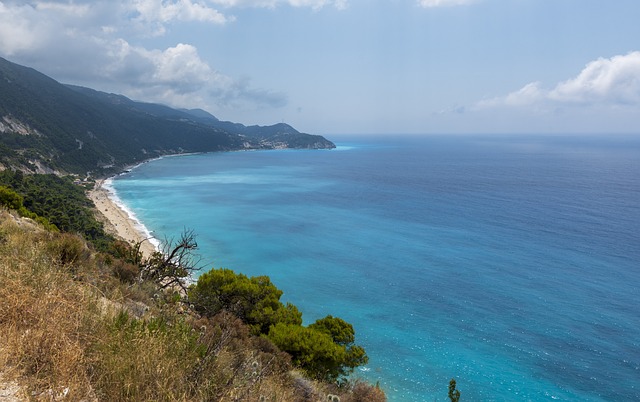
[{"x": 350, "y": 66}]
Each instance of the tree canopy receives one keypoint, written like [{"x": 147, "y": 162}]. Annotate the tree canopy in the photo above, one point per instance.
[
  {"x": 255, "y": 300},
  {"x": 54, "y": 200},
  {"x": 324, "y": 350}
]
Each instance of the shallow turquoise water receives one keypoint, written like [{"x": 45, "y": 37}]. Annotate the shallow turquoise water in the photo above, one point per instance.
[{"x": 509, "y": 263}]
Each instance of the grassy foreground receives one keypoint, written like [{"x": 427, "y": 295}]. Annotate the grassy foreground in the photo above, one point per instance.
[{"x": 71, "y": 330}]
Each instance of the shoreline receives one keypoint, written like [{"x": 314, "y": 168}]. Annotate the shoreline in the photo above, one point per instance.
[
  {"x": 119, "y": 222},
  {"x": 122, "y": 223}
]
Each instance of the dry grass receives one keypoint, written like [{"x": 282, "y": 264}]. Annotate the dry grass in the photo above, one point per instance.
[
  {"x": 44, "y": 315},
  {"x": 70, "y": 330}
]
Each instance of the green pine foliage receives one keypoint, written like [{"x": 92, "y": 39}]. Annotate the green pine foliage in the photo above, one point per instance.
[
  {"x": 255, "y": 300},
  {"x": 313, "y": 351},
  {"x": 12, "y": 200},
  {"x": 325, "y": 350},
  {"x": 70, "y": 331},
  {"x": 228, "y": 353},
  {"x": 53, "y": 201},
  {"x": 340, "y": 331},
  {"x": 454, "y": 394}
]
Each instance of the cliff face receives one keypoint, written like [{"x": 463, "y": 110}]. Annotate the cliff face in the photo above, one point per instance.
[{"x": 47, "y": 126}]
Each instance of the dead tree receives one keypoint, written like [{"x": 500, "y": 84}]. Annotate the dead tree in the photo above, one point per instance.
[{"x": 174, "y": 264}]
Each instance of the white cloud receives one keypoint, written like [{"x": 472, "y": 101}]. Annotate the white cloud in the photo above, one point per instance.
[
  {"x": 19, "y": 28},
  {"x": 181, "y": 64},
  {"x": 33, "y": 26},
  {"x": 178, "y": 76},
  {"x": 30, "y": 25},
  {"x": 78, "y": 11},
  {"x": 162, "y": 12},
  {"x": 81, "y": 42},
  {"x": 527, "y": 95},
  {"x": 314, "y": 4},
  {"x": 177, "y": 69},
  {"x": 443, "y": 3},
  {"x": 614, "y": 81},
  {"x": 149, "y": 15},
  {"x": 318, "y": 4}
]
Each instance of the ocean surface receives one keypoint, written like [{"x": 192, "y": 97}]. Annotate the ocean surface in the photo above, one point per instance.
[{"x": 511, "y": 263}]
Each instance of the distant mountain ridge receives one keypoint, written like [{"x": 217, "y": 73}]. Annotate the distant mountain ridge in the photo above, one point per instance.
[
  {"x": 279, "y": 132},
  {"x": 46, "y": 126}
]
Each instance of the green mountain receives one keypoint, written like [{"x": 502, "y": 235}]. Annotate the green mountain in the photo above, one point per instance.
[{"x": 46, "y": 126}]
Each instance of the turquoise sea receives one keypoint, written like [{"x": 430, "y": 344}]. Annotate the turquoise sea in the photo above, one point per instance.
[{"x": 511, "y": 263}]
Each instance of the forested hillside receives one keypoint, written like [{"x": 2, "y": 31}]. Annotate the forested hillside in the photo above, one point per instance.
[
  {"x": 46, "y": 126},
  {"x": 59, "y": 200}
]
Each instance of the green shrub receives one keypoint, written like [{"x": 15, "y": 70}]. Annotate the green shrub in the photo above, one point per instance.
[
  {"x": 315, "y": 350},
  {"x": 10, "y": 198},
  {"x": 69, "y": 249},
  {"x": 325, "y": 349},
  {"x": 255, "y": 300},
  {"x": 69, "y": 333},
  {"x": 61, "y": 204}
]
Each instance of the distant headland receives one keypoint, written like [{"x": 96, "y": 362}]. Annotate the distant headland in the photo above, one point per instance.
[{"x": 49, "y": 127}]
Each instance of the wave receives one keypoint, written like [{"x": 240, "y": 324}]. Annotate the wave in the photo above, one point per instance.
[{"x": 137, "y": 224}]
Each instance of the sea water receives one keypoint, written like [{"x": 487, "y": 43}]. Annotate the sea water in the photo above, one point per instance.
[{"x": 510, "y": 263}]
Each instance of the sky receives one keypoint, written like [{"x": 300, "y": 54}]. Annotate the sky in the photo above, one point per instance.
[{"x": 350, "y": 66}]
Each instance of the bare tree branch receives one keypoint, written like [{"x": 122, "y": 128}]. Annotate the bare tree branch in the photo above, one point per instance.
[{"x": 174, "y": 264}]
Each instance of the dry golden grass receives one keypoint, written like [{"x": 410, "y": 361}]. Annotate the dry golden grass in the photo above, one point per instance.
[
  {"x": 44, "y": 315},
  {"x": 69, "y": 330}
]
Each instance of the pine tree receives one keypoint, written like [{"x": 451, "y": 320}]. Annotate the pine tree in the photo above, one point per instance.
[{"x": 454, "y": 394}]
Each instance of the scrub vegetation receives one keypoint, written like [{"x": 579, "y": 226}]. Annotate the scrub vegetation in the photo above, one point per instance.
[
  {"x": 54, "y": 201},
  {"x": 81, "y": 324},
  {"x": 86, "y": 317}
]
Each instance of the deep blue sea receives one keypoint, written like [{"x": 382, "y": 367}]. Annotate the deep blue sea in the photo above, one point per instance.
[{"x": 511, "y": 263}]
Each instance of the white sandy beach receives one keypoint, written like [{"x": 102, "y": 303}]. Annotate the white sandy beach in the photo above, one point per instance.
[{"x": 117, "y": 221}]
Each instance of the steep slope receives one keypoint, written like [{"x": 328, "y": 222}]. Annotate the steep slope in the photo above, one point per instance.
[
  {"x": 46, "y": 126},
  {"x": 275, "y": 136},
  {"x": 75, "y": 326}
]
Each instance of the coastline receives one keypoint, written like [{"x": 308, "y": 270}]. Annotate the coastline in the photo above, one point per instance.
[
  {"x": 119, "y": 222},
  {"x": 117, "y": 219}
]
